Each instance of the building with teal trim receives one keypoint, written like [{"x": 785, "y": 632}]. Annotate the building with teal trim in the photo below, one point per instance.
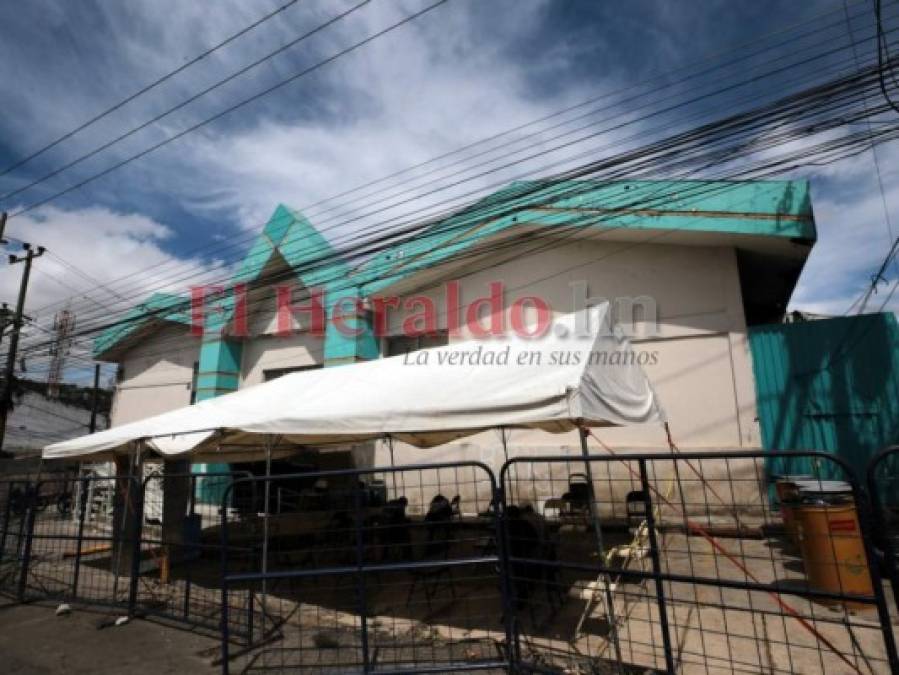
[{"x": 691, "y": 268}]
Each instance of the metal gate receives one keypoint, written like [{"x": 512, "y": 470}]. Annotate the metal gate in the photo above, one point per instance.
[
  {"x": 14, "y": 496},
  {"x": 679, "y": 563},
  {"x": 69, "y": 544},
  {"x": 176, "y": 567},
  {"x": 378, "y": 570},
  {"x": 672, "y": 562},
  {"x": 883, "y": 489}
]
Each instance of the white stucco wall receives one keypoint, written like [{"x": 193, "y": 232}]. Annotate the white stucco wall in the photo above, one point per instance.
[
  {"x": 701, "y": 366},
  {"x": 270, "y": 352},
  {"x": 701, "y": 370},
  {"x": 157, "y": 375},
  {"x": 266, "y": 350}
]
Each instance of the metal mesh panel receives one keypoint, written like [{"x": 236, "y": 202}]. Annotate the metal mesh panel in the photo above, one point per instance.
[
  {"x": 683, "y": 563},
  {"x": 634, "y": 563},
  {"x": 14, "y": 497},
  {"x": 78, "y": 536},
  {"x": 179, "y": 566},
  {"x": 883, "y": 489},
  {"x": 384, "y": 570}
]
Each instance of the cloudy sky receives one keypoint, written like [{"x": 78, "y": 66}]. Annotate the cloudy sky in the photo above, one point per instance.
[{"x": 456, "y": 75}]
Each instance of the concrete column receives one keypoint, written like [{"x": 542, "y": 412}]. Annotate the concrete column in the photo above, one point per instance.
[
  {"x": 176, "y": 485},
  {"x": 356, "y": 341},
  {"x": 125, "y": 514},
  {"x": 220, "y": 359}
]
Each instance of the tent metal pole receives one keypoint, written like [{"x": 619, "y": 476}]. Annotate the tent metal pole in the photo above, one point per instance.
[
  {"x": 502, "y": 433},
  {"x": 597, "y": 531},
  {"x": 392, "y": 465},
  {"x": 267, "y": 492}
]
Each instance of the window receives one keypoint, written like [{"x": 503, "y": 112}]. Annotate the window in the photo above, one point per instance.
[
  {"x": 275, "y": 373},
  {"x": 402, "y": 344}
]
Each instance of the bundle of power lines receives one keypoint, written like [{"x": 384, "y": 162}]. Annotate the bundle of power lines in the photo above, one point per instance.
[{"x": 835, "y": 91}]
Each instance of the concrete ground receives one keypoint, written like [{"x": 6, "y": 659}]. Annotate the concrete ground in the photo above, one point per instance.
[
  {"x": 714, "y": 630},
  {"x": 33, "y": 640}
]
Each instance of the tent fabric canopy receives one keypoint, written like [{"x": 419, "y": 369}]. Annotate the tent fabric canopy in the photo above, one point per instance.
[{"x": 556, "y": 383}]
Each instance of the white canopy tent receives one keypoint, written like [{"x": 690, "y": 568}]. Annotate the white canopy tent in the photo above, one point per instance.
[{"x": 556, "y": 383}]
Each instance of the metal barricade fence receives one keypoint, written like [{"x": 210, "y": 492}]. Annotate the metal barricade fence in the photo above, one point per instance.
[
  {"x": 77, "y": 539},
  {"x": 14, "y": 496},
  {"x": 883, "y": 490},
  {"x": 176, "y": 567},
  {"x": 680, "y": 562},
  {"x": 677, "y": 562},
  {"x": 370, "y": 570}
]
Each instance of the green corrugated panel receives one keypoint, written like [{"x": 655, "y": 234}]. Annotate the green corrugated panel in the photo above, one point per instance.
[{"x": 829, "y": 385}]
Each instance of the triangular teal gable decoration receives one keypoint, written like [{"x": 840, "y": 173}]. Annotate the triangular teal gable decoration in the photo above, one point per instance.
[
  {"x": 290, "y": 234},
  {"x": 318, "y": 266}
]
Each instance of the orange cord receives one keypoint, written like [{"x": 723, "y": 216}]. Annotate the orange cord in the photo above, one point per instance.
[{"x": 672, "y": 446}]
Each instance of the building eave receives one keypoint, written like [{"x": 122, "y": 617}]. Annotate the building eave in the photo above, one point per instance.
[
  {"x": 771, "y": 218},
  {"x": 159, "y": 307},
  {"x": 775, "y": 216}
]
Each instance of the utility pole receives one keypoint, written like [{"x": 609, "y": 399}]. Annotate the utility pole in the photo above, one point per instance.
[
  {"x": 6, "y": 314},
  {"x": 5, "y": 311},
  {"x": 5, "y": 319},
  {"x": 95, "y": 401},
  {"x": 6, "y": 398}
]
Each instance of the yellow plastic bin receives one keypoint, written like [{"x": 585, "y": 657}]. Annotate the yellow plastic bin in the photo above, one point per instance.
[{"x": 830, "y": 540}]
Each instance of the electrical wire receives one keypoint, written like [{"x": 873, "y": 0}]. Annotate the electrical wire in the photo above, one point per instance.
[
  {"x": 319, "y": 225},
  {"x": 227, "y": 111},
  {"x": 883, "y": 50},
  {"x": 182, "y": 104},
  {"x": 145, "y": 89},
  {"x": 874, "y": 158}
]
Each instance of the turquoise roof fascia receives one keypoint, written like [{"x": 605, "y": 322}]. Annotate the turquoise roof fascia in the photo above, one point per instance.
[
  {"x": 771, "y": 198},
  {"x": 159, "y": 307},
  {"x": 758, "y": 208}
]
